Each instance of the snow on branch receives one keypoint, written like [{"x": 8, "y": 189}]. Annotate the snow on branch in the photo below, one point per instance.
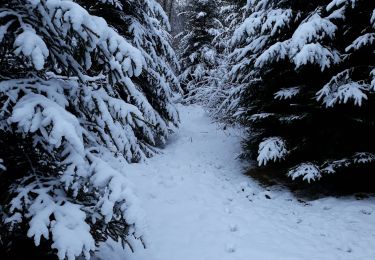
[
  {"x": 314, "y": 29},
  {"x": 336, "y": 3},
  {"x": 41, "y": 113},
  {"x": 312, "y": 172},
  {"x": 362, "y": 41},
  {"x": 249, "y": 27},
  {"x": 315, "y": 53},
  {"x": 276, "y": 20},
  {"x": 2, "y": 167},
  {"x": 291, "y": 118},
  {"x": 271, "y": 149},
  {"x": 308, "y": 171},
  {"x": 71, "y": 96},
  {"x": 277, "y": 52},
  {"x": 32, "y": 45},
  {"x": 69, "y": 229},
  {"x": 359, "y": 158},
  {"x": 305, "y": 46},
  {"x": 71, "y": 21},
  {"x": 287, "y": 93},
  {"x": 115, "y": 3},
  {"x": 341, "y": 89},
  {"x": 34, "y": 112},
  {"x": 260, "y": 116},
  {"x": 330, "y": 167}
]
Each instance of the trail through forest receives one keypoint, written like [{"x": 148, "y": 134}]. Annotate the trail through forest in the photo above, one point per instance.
[{"x": 200, "y": 206}]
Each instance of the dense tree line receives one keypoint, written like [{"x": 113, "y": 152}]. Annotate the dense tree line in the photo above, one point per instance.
[
  {"x": 301, "y": 80},
  {"x": 87, "y": 87}
]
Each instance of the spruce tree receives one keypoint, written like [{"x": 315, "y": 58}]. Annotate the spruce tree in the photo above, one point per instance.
[
  {"x": 304, "y": 73},
  {"x": 76, "y": 105},
  {"x": 197, "y": 50},
  {"x": 348, "y": 95},
  {"x": 145, "y": 24},
  {"x": 222, "y": 93}
]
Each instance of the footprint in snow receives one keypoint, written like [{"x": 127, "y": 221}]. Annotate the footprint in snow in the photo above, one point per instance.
[
  {"x": 230, "y": 248},
  {"x": 219, "y": 167},
  {"x": 233, "y": 227},
  {"x": 365, "y": 212},
  {"x": 152, "y": 196}
]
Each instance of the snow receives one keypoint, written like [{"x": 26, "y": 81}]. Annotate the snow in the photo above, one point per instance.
[
  {"x": 315, "y": 53},
  {"x": 75, "y": 116},
  {"x": 362, "y": 41},
  {"x": 201, "y": 14},
  {"x": 200, "y": 206},
  {"x": 308, "y": 171},
  {"x": 315, "y": 28},
  {"x": 64, "y": 221},
  {"x": 2, "y": 167},
  {"x": 287, "y": 93},
  {"x": 303, "y": 47},
  {"x": 271, "y": 149},
  {"x": 341, "y": 89},
  {"x": 32, "y": 45},
  {"x": 340, "y": 2},
  {"x": 276, "y": 52},
  {"x": 249, "y": 26},
  {"x": 256, "y": 117},
  {"x": 51, "y": 120},
  {"x": 276, "y": 20},
  {"x": 3, "y": 30}
]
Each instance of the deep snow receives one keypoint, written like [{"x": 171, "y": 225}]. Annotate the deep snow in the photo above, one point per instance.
[{"x": 200, "y": 206}]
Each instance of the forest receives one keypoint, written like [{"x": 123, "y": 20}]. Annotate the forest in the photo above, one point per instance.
[{"x": 187, "y": 129}]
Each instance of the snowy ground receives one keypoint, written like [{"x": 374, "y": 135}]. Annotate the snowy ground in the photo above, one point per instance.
[{"x": 200, "y": 206}]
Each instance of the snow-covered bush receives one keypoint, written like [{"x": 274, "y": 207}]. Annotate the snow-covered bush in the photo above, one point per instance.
[
  {"x": 73, "y": 100},
  {"x": 305, "y": 73}
]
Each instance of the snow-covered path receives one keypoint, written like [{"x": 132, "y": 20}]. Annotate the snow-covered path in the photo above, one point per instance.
[{"x": 200, "y": 206}]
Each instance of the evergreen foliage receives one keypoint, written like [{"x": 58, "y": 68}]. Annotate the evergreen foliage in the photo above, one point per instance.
[
  {"x": 222, "y": 93},
  {"x": 88, "y": 87},
  {"x": 305, "y": 73},
  {"x": 198, "y": 55},
  {"x": 206, "y": 65},
  {"x": 77, "y": 103},
  {"x": 144, "y": 23}
]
